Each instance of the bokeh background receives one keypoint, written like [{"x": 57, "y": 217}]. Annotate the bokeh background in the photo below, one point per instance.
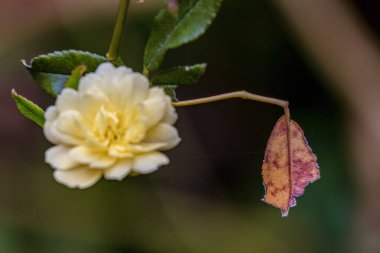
[{"x": 321, "y": 55}]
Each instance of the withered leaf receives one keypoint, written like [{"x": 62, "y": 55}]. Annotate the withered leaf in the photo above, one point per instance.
[{"x": 289, "y": 165}]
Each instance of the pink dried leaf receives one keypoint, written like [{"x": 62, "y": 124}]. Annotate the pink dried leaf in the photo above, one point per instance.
[{"x": 289, "y": 165}]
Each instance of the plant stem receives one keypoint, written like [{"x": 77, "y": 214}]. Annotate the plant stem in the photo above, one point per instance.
[
  {"x": 237, "y": 94},
  {"x": 146, "y": 72},
  {"x": 118, "y": 32}
]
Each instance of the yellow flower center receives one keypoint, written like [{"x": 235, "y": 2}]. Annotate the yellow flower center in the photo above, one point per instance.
[{"x": 119, "y": 128}]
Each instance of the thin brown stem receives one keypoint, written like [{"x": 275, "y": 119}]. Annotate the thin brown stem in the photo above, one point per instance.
[{"x": 237, "y": 94}]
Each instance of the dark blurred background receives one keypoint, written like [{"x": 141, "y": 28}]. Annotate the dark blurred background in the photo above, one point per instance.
[{"x": 321, "y": 55}]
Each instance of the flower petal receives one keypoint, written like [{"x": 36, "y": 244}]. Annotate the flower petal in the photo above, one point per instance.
[
  {"x": 145, "y": 147},
  {"x": 70, "y": 122},
  {"x": 170, "y": 116},
  {"x": 141, "y": 88},
  {"x": 51, "y": 113},
  {"x": 67, "y": 100},
  {"x": 91, "y": 101},
  {"x": 81, "y": 177},
  {"x": 95, "y": 159},
  {"x": 89, "y": 82},
  {"x": 63, "y": 138},
  {"x": 122, "y": 70},
  {"x": 119, "y": 170},
  {"x": 163, "y": 133},
  {"x": 130, "y": 90},
  {"x": 119, "y": 151},
  {"x": 85, "y": 155},
  {"x": 105, "y": 70},
  {"x": 103, "y": 162},
  {"x": 154, "y": 106},
  {"x": 104, "y": 120},
  {"x": 123, "y": 87},
  {"x": 48, "y": 133},
  {"x": 58, "y": 158},
  {"x": 147, "y": 163}
]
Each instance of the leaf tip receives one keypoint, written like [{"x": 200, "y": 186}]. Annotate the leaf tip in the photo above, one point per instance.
[
  {"x": 82, "y": 69},
  {"x": 284, "y": 214},
  {"x": 26, "y": 65},
  {"x": 13, "y": 93},
  {"x": 16, "y": 97},
  {"x": 28, "y": 108}
]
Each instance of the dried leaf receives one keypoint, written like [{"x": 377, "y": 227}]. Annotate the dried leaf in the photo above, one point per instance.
[{"x": 289, "y": 165}]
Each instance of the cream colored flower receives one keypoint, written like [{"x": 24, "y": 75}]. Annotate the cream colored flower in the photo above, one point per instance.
[{"x": 113, "y": 125}]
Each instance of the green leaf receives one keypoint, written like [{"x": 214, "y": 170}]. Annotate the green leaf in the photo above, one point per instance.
[
  {"x": 181, "y": 75},
  {"x": 173, "y": 30},
  {"x": 170, "y": 91},
  {"x": 118, "y": 62},
  {"x": 76, "y": 74},
  {"x": 63, "y": 62},
  {"x": 51, "y": 83},
  {"x": 51, "y": 71},
  {"x": 29, "y": 109}
]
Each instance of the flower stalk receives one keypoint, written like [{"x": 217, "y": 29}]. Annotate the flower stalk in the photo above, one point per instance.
[
  {"x": 237, "y": 94},
  {"x": 118, "y": 32}
]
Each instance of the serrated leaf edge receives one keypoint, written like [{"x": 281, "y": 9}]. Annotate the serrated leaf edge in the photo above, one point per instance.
[
  {"x": 202, "y": 67},
  {"x": 161, "y": 45}
]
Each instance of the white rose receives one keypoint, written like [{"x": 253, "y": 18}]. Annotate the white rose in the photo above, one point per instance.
[{"x": 113, "y": 125}]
